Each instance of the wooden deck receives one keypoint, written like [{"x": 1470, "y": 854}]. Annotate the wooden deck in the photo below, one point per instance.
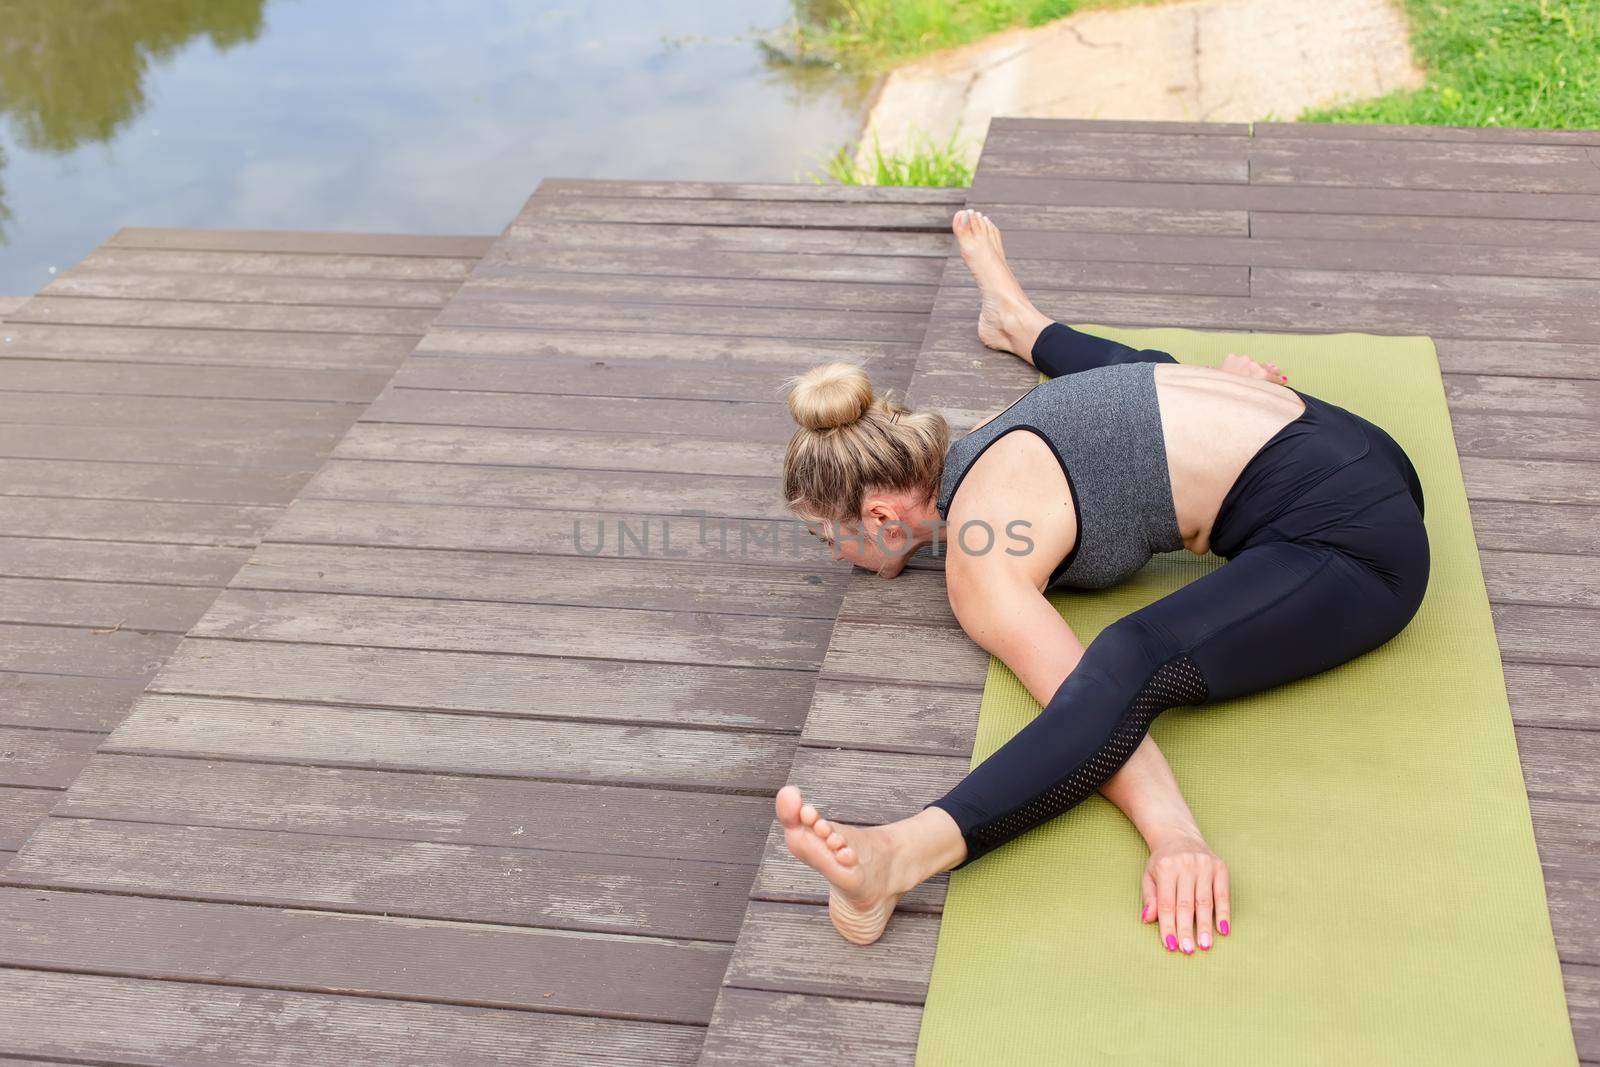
[
  {"x": 431, "y": 783},
  {"x": 428, "y": 783},
  {"x": 160, "y": 404},
  {"x": 1488, "y": 240}
]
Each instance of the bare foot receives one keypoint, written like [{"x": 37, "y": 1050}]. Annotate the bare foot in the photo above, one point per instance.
[
  {"x": 1007, "y": 320},
  {"x": 856, "y": 861}
]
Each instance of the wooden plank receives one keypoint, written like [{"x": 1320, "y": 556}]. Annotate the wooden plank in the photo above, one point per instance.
[
  {"x": 67, "y": 702},
  {"x": 619, "y": 383},
  {"x": 110, "y": 479},
  {"x": 330, "y": 265},
  {"x": 788, "y": 214},
  {"x": 1132, "y": 219},
  {"x": 221, "y": 347},
  {"x": 43, "y": 759},
  {"x": 521, "y": 284},
  {"x": 681, "y": 453},
  {"x": 119, "y": 561},
  {"x": 1064, "y": 274},
  {"x": 659, "y": 585},
  {"x": 606, "y": 753},
  {"x": 83, "y": 652},
  {"x": 56, "y": 408},
  {"x": 903, "y": 652},
  {"x": 302, "y": 242},
  {"x": 524, "y": 243},
  {"x": 1530, "y": 233},
  {"x": 194, "y": 381},
  {"x": 1527, "y": 168},
  {"x": 820, "y": 325},
  {"x": 891, "y": 716},
  {"x": 759, "y": 1026},
  {"x": 84, "y": 281},
  {"x": 1365, "y": 131},
  {"x": 793, "y": 948},
  {"x": 1523, "y": 436},
  {"x": 203, "y": 315},
  {"x": 284, "y": 446},
  {"x": 11, "y": 303},
  {"x": 1034, "y": 254},
  {"x": 792, "y": 266},
  {"x": 21, "y": 811},
  {"x": 416, "y": 960},
  {"x": 991, "y": 191},
  {"x": 597, "y": 490},
  {"x": 1583, "y": 1002},
  {"x": 1548, "y": 634},
  {"x": 1127, "y": 156},
  {"x": 1546, "y": 694},
  {"x": 1558, "y": 396},
  {"x": 801, "y": 191},
  {"x": 710, "y": 638},
  {"x": 141, "y": 521},
  {"x": 419, "y": 880},
  {"x": 488, "y": 684},
  {"x": 764, "y": 420},
  {"x": 1427, "y": 286},
  {"x": 103, "y": 605},
  {"x": 701, "y": 350},
  {"x": 175, "y": 1024},
  {"x": 617, "y": 535},
  {"x": 957, "y": 310},
  {"x": 1535, "y": 578},
  {"x": 449, "y": 809}
]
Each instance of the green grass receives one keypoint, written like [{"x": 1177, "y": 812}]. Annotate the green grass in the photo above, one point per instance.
[
  {"x": 1494, "y": 63},
  {"x": 923, "y": 163},
  {"x": 872, "y": 34}
]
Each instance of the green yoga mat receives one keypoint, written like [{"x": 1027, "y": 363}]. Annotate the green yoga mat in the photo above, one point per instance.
[{"x": 1388, "y": 902}]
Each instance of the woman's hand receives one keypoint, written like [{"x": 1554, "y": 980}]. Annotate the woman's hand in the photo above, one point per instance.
[
  {"x": 1246, "y": 367},
  {"x": 1185, "y": 887}
]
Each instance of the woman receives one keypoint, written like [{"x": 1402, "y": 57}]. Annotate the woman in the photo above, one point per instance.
[{"x": 1317, "y": 511}]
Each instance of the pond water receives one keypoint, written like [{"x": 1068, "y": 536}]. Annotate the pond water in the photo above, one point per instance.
[{"x": 416, "y": 116}]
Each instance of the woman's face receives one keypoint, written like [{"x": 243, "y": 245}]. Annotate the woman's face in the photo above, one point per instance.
[{"x": 853, "y": 542}]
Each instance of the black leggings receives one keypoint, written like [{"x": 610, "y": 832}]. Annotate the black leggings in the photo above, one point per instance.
[{"x": 1327, "y": 559}]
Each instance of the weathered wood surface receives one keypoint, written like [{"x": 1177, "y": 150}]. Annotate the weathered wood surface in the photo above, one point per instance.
[
  {"x": 1488, "y": 240},
  {"x": 150, "y": 433},
  {"x": 431, "y": 721}
]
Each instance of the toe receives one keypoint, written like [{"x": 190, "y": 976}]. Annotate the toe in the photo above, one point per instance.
[
  {"x": 808, "y": 814},
  {"x": 823, "y": 828},
  {"x": 836, "y": 840},
  {"x": 846, "y": 856},
  {"x": 788, "y": 805}
]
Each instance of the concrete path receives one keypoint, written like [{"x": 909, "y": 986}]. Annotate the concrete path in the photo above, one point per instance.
[{"x": 1207, "y": 61}]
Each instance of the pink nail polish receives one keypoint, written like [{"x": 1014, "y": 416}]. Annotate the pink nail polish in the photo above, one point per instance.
[
  {"x": 1206, "y": 945},
  {"x": 1223, "y": 926},
  {"x": 1172, "y": 943},
  {"x": 1188, "y": 947},
  {"x": 1144, "y": 913}
]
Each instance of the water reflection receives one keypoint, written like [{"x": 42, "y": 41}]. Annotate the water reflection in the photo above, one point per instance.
[
  {"x": 74, "y": 72},
  {"x": 394, "y": 115}
]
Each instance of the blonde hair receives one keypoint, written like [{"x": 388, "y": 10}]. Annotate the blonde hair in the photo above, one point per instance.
[{"x": 850, "y": 441}]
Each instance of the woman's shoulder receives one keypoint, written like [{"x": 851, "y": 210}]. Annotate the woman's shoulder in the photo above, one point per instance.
[{"x": 1015, "y": 508}]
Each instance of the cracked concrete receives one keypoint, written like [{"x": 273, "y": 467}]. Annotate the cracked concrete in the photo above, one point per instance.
[{"x": 1198, "y": 61}]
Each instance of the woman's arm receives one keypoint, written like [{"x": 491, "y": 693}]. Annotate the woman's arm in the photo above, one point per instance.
[{"x": 1007, "y": 615}]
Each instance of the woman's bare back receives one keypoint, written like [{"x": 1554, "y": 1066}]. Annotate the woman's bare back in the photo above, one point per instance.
[{"x": 1212, "y": 422}]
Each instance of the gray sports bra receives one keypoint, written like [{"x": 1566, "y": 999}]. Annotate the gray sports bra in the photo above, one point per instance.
[{"x": 1104, "y": 426}]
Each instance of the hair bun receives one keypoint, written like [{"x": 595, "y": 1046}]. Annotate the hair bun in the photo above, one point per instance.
[{"x": 830, "y": 396}]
